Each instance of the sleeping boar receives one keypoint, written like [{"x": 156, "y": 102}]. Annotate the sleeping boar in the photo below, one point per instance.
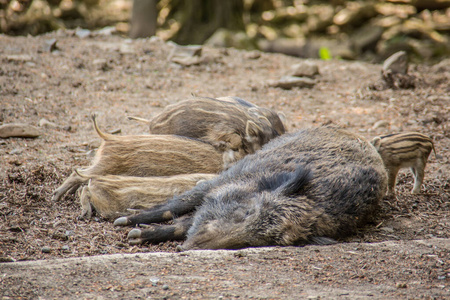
[
  {"x": 311, "y": 186},
  {"x": 112, "y": 196},
  {"x": 404, "y": 150},
  {"x": 146, "y": 155},
  {"x": 232, "y": 125}
]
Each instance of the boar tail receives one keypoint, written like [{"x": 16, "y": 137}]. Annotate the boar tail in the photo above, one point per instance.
[{"x": 104, "y": 136}]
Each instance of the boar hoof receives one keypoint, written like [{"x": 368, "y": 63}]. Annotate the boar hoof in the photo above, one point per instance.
[
  {"x": 122, "y": 221},
  {"x": 134, "y": 237},
  {"x": 179, "y": 248},
  {"x": 134, "y": 234}
]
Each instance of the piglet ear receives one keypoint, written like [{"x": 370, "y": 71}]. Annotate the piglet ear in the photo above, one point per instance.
[
  {"x": 296, "y": 184},
  {"x": 376, "y": 142},
  {"x": 252, "y": 130}
]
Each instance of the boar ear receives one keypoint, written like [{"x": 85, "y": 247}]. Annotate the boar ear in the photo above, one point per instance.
[
  {"x": 297, "y": 182},
  {"x": 252, "y": 130},
  {"x": 282, "y": 117},
  {"x": 376, "y": 142},
  {"x": 274, "y": 182}
]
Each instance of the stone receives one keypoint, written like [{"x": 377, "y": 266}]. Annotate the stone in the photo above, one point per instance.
[
  {"x": 305, "y": 69},
  {"x": 289, "y": 82},
  {"x": 381, "y": 123},
  {"x": 19, "y": 130},
  {"x": 83, "y": 33},
  {"x": 50, "y": 45},
  {"x": 46, "y": 123},
  {"x": 396, "y": 63}
]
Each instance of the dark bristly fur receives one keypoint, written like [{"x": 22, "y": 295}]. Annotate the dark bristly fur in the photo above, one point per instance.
[
  {"x": 234, "y": 126},
  {"x": 311, "y": 186},
  {"x": 146, "y": 155},
  {"x": 404, "y": 150}
]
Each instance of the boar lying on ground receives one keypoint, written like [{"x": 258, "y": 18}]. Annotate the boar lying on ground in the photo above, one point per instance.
[
  {"x": 404, "y": 150},
  {"x": 234, "y": 126},
  {"x": 112, "y": 196},
  {"x": 146, "y": 155},
  {"x": 311, "y": 186}
]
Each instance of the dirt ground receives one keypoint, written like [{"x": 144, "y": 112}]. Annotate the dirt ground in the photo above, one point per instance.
[{"x": 116, "y": 77}]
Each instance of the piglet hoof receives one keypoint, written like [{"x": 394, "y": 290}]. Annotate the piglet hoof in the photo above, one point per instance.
[
  {"x": 179, "y": 248},
  {"x": 134, "y": 237},
  {"x": 122, "y": 221},
  {"x": 415, "y": 192}
]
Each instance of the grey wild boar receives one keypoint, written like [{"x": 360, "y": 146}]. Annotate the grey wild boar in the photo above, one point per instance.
[
  {"x": 146, "y": 155},
  {"x": 404, "y": 150},
  {"x": 311, "y": 186},
  {"x": 112, "y": 195},
  {"x": 232, "y": 125}
]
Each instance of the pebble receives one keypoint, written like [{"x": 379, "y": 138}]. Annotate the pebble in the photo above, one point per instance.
[
  {"x": 83, "y": 33},
  {"x": 165, "y": 287},
  {"x": 289, "y": 82},
  {"x": 69, "y": 233},
  {"x": 401, "y": 285},
  {"x": 16, "y": 151},
  {"x": 65, "y": 248},
  {"x": 305, "y": 69},
  {"x": 46, "y": 123},
  {"x": 397, "y": 63},
  {"x": 46, "y": 249},
  {"x": 381, "y": 123},
  {"x": 50, "y": 45}
]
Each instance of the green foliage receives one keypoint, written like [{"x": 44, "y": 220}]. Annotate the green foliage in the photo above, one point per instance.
[{"x": 324, "y": 53}]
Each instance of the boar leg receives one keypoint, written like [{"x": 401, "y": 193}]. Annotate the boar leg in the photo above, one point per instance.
[
  {"x": 178, "y": 206},
  {"x": 418, "y": 171},
  {"x": 392, "y": 179},
  {"x": 161, "y": 233},
  {"x": 85, "y": 200},
  {"x": 71, "y": 183}
]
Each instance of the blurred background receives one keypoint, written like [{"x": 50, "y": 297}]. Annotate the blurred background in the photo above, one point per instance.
[{"x": 367, "y": 30}]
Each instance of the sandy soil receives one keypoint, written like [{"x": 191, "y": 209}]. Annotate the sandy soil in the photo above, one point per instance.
[{"x": 116, "y": 77}]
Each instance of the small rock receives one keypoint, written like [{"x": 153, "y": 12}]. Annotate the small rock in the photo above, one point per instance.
[
  {"x": 387, "y": 229},
  {"x": 396, "y": 63},
  {"x": 165, "y": 287},
  {"x": 187, "y": 61},
  {"x": 46, "y": 249},
  {"x": 401, "y": 285},
  {"x": 154, "y": 281},
  {"x": 108, "y": 30},
  {"x": 185, "y": 51},
  {"x": 18, "y": 58},
  {"x": 381, "y": 123},
  {"x": 65, "y": 248},
  {"x": 69, "y": 233},
  {"x": 305, "y": 69},
  {"x": 83, "y": 33},
  {"x": 16, "y": 151},
  {"x": 50, "y": 45},
  {"x": 19, "y": 130},
  {"x": 289, "y": 82},
  {"x": 46, "y": 123},
  {"x": 253, "y": 54}
]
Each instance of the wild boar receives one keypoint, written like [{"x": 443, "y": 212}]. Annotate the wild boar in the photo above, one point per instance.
[
  {"x": 310, "y": 186},
  {"x": 404, "y": 150},
  {"x": 112, "y": 196},
  {"x": 146, "y": 155},
  {"x": 232, "y": 125}
]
